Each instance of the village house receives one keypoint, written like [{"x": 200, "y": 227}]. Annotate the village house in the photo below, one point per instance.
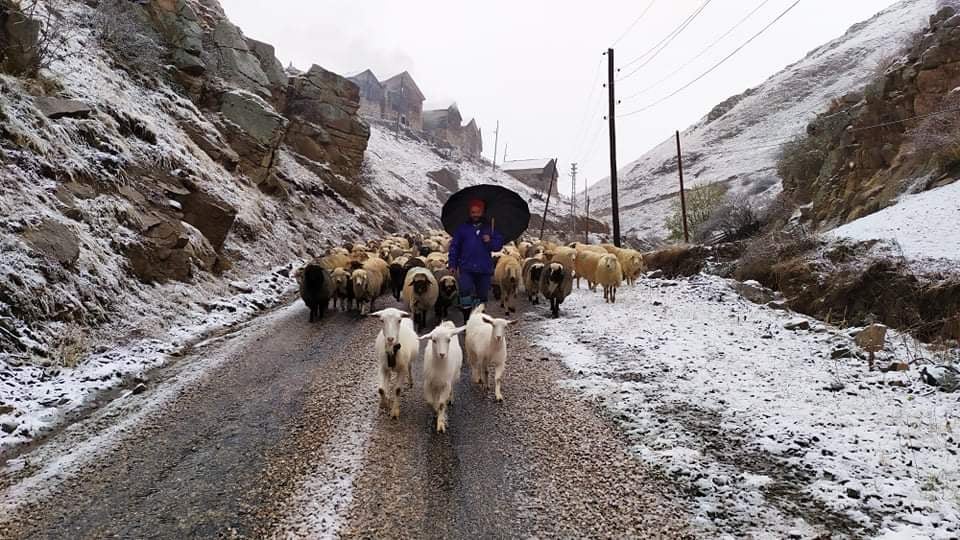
[
  {"x": 536, "y": 173},
  {"x": 404, "y": 101},
  {"x": 445, "y": 126},
  {"x": 373, "y": 96}
]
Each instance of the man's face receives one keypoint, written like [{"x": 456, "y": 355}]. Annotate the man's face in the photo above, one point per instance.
[{"x": 476, "y": 213}]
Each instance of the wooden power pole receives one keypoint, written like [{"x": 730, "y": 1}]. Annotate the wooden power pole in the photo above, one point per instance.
[
  {"x": 683, "y": 198},
  {"x": 612, "y": 115},
  {"x": 573, "y": 200},
  {"x": 546, "y": 207}
]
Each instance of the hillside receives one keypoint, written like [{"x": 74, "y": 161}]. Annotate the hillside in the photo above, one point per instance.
[
  {"x": 737, "y": 142},
  {"x": 162, "y": 177}
]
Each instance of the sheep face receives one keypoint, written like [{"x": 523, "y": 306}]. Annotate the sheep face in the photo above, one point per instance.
[
  {"x": 390, "y": 318},
  {"x": 448, "y": 286},
  {"x": 440, "y": 338},
  {"x": 360, "y": 279},
  {"x": 536, "y": 270},
  {"x": 420, "y": 284},
  {"x": 499, "y": 328},
  {"x": 341, "y": 280},
  {"x": 555, "y": 275}
]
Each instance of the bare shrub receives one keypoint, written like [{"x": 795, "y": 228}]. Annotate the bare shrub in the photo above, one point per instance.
[
  {"x": 734, "y": 219},
  {"x": 125, "y": 33},
  {"x": 761, "y": 254},
  {"x": 701, "y": 202},
  {"x": 43, "y": 21},
  {"x": 937, "y": 138},
  {"x": 801, "y": 159}
]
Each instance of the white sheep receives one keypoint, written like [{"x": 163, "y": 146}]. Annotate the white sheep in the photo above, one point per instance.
[
  {"x": 442, "y": 361},
  {"x": 486, "y": 345},
  {"x": 609, "y": 275},
  {"x": 396, "y": 347}
]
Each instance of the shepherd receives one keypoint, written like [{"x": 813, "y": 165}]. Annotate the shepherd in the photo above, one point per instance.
[
  {"x": 470, "y": 257},
  {"x": 494, "y": 216}
]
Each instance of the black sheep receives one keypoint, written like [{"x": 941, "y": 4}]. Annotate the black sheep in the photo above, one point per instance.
[{"x": 316, "y": 288}]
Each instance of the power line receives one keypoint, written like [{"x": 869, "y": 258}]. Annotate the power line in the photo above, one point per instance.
[
  {"x": 715, "y": 66},
  {"x": 654, "y": 51},
  {"x": 634, "y": 23},
  {"x": 701, "y": 53},
  {"x": 589, "y": 105}
]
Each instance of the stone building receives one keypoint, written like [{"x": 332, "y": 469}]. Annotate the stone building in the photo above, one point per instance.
[
  {"x": 536, "y": 173},
  {"x": 445, "y": 126},
  {"x": 404, "y": 101},
  {"x": 373, "y": 96}
]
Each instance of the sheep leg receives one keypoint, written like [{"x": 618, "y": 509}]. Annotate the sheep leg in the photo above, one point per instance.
[
  {"x": 395, "y": 410},
  {"x": 410, "y": 374},
  {"x": 497, "y": 375},
  {"x": 442, "y": 418}
]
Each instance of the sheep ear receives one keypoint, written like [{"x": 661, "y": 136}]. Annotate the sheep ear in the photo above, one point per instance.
[
  {"x": 404, "y": 314},
  {"x": 459, "y": 330},
  {"x": 426, "y": 337},
  {"x": 513, "y": 322},
  {"x": 487, "y": 318},
  {"x": 377, "y": 313}
]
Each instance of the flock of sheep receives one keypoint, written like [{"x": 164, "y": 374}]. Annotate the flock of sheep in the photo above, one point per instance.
[{"x": 414, "y": 268}]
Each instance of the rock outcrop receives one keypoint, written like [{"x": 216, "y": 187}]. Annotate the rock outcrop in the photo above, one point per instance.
[{"x": 871, "y": 142}]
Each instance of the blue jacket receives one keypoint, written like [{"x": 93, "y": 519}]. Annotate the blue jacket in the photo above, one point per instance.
[{"x": 469, "y": 253}]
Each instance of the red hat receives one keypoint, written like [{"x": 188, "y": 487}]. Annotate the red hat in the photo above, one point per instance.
[{"x": 477, "y": 203}]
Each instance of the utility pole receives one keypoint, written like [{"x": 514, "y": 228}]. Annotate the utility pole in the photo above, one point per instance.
[
  {"x": 683, "y": 198},
  {"x": 506, "y": 146},
  {"x": 586, "y": 222},
  {"x": 573, "y": 200},
  {"x": 615, "y": 204},
  {"x": 496, "y": 141},
  {"x": 546, "y": 207}
]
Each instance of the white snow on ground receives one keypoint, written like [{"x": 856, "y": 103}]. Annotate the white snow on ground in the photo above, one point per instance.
[
  {"x": 924, "y": 225},
  {"x": 715, "y": 391},
  {"x": 44, "y": 395},
  {"x": 60, "y": 460},
  {"x": 740, "y": 147}
]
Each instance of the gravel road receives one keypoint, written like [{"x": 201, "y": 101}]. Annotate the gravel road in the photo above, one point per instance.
[{"x": 281, "y": 436}]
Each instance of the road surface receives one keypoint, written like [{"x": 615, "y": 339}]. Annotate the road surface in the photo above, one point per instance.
[{"x": 274, "y": 431}]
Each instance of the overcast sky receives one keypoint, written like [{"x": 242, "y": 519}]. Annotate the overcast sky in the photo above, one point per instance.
[{"x": 532, "y": 63}]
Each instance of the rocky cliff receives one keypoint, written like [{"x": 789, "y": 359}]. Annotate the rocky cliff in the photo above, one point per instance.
[{"x": 900, "y": 133}]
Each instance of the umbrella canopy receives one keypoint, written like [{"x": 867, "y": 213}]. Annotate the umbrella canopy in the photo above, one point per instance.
[{"x": 509, "y": 211}]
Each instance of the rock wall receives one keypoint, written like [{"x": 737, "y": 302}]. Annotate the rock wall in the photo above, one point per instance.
[{"x": 870, "y": 138}]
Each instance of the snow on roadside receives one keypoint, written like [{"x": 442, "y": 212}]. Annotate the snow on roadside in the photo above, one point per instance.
[
  {"x": 714, "y": 390},
  {"x": 42, "y": 397},
  {"x": 924, "y": 225}
]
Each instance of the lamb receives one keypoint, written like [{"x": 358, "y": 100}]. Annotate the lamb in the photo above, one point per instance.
[
  {"x": 396, "y": 347},
  {"x": 486, "y": 345},
  {"x": 366, "y": 289},
  {"x": 379, "y": 272},
  {"x": 556, "y": 283},
  {"x": 420, "y": 291},
  {"x": 609, "y": 275},
  {"x": 449, "y": 296},
  {"x": 442, "y": 361},
  {"x": 532, "y": 269},
  {"x": 508, "y": 275},
  {"x": 342, "y": 289},
  {"x": 398, "y": 274},
  {"x": 315, "y": 290}
]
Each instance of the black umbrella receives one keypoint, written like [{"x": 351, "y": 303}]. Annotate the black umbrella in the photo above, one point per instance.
[{"x": 506, "y": 209}]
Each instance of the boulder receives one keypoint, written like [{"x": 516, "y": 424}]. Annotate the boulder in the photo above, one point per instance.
[
  {"x": 170, "y": 250},
  {"x": 872, "y": 338},
  {"x": 210, "y": 215},
  {"x": 55, "y": 241},
  {"x": 232, "y": 60},
  {"x": 447, "y": 178},
  {"x": 253, "y": 130},
  {"x": 54, "y": 108},
  {"x": 798, "y": 323},
  {"x": 754, "y": 291}
]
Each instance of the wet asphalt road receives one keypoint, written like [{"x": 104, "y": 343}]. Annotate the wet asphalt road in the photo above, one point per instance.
[{"x": 232, "y": 455}]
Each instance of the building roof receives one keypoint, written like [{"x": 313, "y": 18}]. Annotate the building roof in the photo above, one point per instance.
[
  {"x": 406, "y": 81},
  {"x": 527, "y": 164},
  {"x": 366, "y": 75}
]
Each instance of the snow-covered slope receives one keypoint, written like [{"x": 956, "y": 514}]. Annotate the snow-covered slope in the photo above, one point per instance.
[
  {"x": 924, "y": 225},
  {"x": 738, "y": 142}
]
